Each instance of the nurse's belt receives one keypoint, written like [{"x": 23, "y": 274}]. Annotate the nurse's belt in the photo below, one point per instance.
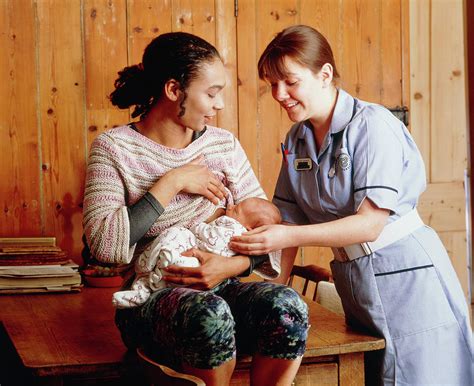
[{"x": 392, "y": 232}]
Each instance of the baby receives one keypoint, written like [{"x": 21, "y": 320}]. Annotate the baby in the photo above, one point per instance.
[{"x": 212, "y": 236}]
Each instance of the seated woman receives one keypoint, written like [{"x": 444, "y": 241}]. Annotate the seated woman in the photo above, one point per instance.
[{"x": 172, "y": 169}]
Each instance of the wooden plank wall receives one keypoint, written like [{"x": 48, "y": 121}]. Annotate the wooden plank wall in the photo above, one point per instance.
[
  {"x": 469, "y": 23},
  {"x": 61, "y": 58},
  {"x": 439, "y": 120}
]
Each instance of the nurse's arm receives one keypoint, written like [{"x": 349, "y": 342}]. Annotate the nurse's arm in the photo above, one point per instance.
[{"x": 365, "y": 225}]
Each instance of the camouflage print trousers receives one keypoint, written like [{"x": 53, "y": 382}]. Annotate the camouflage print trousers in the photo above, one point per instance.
[{"x": 204, "y": 329}]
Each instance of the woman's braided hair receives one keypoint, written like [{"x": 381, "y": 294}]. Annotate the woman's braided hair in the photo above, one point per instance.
[{"x": 174, "y": 55}]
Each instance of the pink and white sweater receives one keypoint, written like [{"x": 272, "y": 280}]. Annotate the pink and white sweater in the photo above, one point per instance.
[{"x": 123, "y": 165}]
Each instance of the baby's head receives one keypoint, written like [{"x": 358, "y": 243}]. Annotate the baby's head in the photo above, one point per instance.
[{"x": 254, "y": 212}]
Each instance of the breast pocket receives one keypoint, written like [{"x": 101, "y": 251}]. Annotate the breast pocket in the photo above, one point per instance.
[{"x": 304, "y": 182}]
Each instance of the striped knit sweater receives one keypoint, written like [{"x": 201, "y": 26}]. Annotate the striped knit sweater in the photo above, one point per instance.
[{"x": 122, "y": 167}]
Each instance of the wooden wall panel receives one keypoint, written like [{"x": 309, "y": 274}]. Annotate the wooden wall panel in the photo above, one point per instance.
[
  {"x": 226, "y": 43},
  {"x": 448, "y": 81},
  {"x": 105, "y": 43},
  {"x": 391, "y": 53},
  {"x": 272, "y": 120},
  {"x": 146, "y": 19},
  {"x": 326, "y": 16},
  {"x": 439, "y": 124},
  {"x": 420, "y": 80},
  {"x": 20, "y": 186},
  {"x": 361, "y": 24},
  {"x": 248, "y": 84},
  {"x": 442, "y": 206},
  {"x": 62, "y": 116},
  {"x": 405, "y": 51},
  {"x": 196, "y": 17},
  {"x": 455, "y": 243}
]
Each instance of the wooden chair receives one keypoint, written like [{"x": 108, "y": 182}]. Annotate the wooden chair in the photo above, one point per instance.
[
  {"x": 325, "y": 292},
  {"x": 310, "y": 273},
  {"x": 162, "y": 375}
]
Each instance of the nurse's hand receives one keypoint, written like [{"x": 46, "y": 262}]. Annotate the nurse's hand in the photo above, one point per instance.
[
  {"x": 262, "y": 240},
  {"x": 213, "y": 270}
]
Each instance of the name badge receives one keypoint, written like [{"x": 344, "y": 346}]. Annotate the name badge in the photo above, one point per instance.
[{"x": 303, "y": 164}]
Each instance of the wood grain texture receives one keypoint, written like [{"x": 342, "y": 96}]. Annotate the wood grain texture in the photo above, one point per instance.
[
  {"x": 105, "y": 45},
  {"x": 62, "y": 118},
  {"x": 48, "y": 348},
  {"x": 442, "y": 207},
  {"x": 196, "y": 17},
  {"x": 455, "y": 243},
  {"x": 420, "y": 77},
  {"x": 361, "y": 59},
  {"x": 351, "y": 369},
  {"x": 146, "y": 19},
  {"x": 448, "y": 88},
  {"x": 226, "y": 44},
  {"x": 273, "y": 122},
  {"x": 318, "y": 374},
  {"x": 74, "y": 334},
  {"x": 248, "y": 82},
  {"x": 391, "y": 94},
  {"x": 20, "y": 187}
]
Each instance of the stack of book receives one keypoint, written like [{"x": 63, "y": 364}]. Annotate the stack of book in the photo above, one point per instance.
[{"x": 36, "y": 264}]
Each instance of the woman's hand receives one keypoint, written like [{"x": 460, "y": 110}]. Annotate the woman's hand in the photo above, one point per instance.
[
  {"x": 262, "y": 240},
  {"x": 213, "y": 270},
  {"x": 194, "y": 178}
]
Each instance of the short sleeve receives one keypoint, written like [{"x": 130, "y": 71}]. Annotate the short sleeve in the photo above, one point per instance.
[
  {"x": 284, "y": 197},
  {"x": 377, "y": 161}
]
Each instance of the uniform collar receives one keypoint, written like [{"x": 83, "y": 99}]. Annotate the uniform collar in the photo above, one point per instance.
[{"x": 343, "y": 112}]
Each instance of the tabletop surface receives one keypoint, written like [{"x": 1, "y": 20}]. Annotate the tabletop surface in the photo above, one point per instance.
[{"x": 62, "y": 333}]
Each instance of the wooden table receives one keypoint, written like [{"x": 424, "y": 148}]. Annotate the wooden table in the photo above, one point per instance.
[{"x": 71, "y": 339}]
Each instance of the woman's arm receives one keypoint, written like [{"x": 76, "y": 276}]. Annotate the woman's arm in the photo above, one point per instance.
[
  {"x": 365, "y": 225},
  {"x": 194, "y": 177},
  {"x": 213, "y": 270},
  {"x": 191, "y": 178}
]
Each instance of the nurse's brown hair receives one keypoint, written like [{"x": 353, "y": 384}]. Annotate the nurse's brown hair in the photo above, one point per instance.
[{"x": 301, "y": 43}]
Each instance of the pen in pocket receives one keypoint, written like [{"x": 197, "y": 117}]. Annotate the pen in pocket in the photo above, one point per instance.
[{"x": 284, "y": 153}]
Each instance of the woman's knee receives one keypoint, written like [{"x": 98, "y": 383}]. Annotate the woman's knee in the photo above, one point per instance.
[
  {"x": 284, "y": 302},
  {"x": 208, "y": 330},
  {"x": 283, "y": 331}
]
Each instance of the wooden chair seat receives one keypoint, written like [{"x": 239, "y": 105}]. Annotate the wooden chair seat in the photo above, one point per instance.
[{"x": 158, "y": 374}]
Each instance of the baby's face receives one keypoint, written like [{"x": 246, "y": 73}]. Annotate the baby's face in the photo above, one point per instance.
[
  {"x": 236, "y": 212},
  {"x": 244, "y": 213}
]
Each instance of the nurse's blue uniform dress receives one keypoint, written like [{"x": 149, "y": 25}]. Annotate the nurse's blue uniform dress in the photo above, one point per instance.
[{"x": 406, "y": 292}]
